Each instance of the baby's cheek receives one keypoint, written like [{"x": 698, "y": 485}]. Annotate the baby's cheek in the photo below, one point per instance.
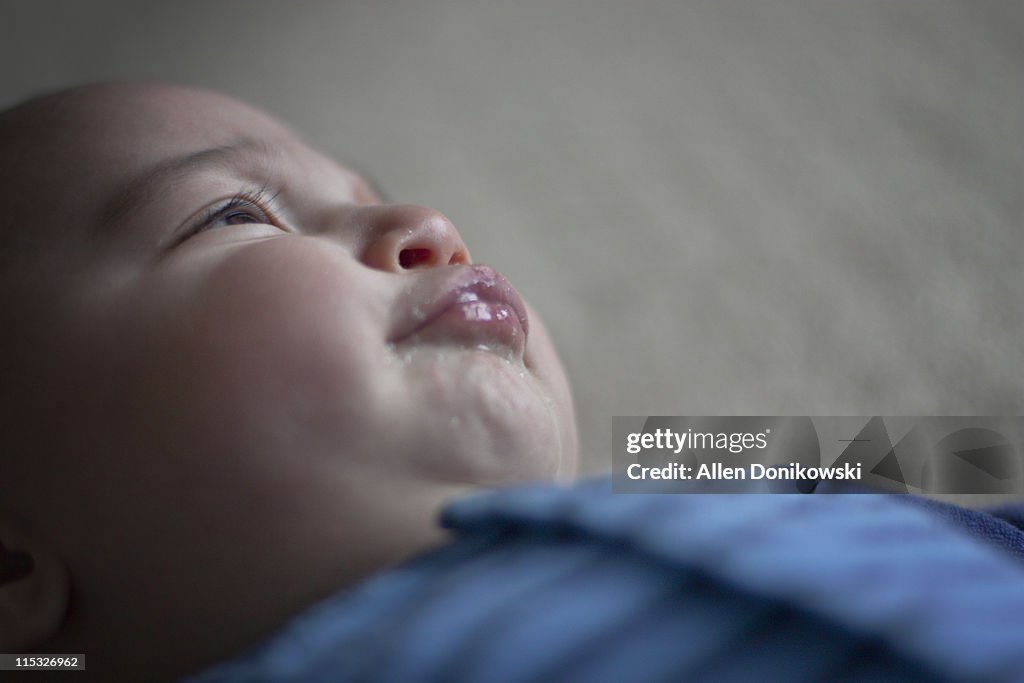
[
  {"x": 241, "y": 373},
  {"x": 291, "y": 317}
]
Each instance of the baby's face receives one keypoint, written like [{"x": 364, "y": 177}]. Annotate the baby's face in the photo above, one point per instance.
[{"x": 258, "y": 382}]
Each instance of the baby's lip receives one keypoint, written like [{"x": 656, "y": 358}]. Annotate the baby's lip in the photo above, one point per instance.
[{"x": 476, "y": 305}]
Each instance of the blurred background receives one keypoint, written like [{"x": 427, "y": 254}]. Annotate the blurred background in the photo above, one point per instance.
[{"x": 719, "y": 208}]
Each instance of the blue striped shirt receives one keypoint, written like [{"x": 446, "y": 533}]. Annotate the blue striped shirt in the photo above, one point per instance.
[{"x": 566, "y": 584}]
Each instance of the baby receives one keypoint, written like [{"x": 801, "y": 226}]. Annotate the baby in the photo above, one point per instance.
[
  {"x": 235, "y": 380},
  {"x": 238, "y": 389}
]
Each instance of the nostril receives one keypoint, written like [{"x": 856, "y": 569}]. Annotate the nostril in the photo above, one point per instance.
[{"x": 410, "y": 258}]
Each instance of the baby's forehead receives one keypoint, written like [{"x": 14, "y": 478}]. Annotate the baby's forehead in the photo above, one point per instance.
[
  {"x": 118, "y": 129},
  {"x": 97, "y": 135},
  {"x": 79, "y": 149}
]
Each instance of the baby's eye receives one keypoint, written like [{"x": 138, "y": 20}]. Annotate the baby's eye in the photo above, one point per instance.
[
  {"x": 242, "y": 209},
  {"x": 240, "y": 215}
]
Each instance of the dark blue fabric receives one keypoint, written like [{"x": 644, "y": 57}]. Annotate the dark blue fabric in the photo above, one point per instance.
[
  {"x": 579, "y": 584},
  {"x": 1003, "y": 526}
]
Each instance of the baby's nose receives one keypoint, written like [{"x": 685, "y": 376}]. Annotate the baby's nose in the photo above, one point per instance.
[{"x": 400, "y": 237}]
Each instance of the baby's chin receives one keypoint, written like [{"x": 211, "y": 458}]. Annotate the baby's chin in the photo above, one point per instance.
[{"x": 490, "y": 415}]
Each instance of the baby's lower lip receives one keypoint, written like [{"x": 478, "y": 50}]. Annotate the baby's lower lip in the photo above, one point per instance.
[{"x": 475, "y": 323}]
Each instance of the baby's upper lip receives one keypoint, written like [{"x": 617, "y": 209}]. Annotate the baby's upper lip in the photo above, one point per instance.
[{"x": 480, "y": 282}]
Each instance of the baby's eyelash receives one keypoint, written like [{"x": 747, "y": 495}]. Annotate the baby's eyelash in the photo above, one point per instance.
[{"x": 259, "y": 199}]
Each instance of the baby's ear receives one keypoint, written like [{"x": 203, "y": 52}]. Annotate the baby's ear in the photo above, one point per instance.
[{"x": 34, "y": 591}]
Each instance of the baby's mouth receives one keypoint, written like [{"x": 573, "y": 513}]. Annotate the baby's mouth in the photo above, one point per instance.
[{"x": 476, "y": 307}]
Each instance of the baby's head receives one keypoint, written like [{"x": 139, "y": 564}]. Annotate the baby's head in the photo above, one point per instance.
[{"x": 234, "y": 379}]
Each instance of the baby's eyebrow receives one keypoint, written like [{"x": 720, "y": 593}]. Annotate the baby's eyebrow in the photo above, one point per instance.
[{"x": 140, "y": 188}]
